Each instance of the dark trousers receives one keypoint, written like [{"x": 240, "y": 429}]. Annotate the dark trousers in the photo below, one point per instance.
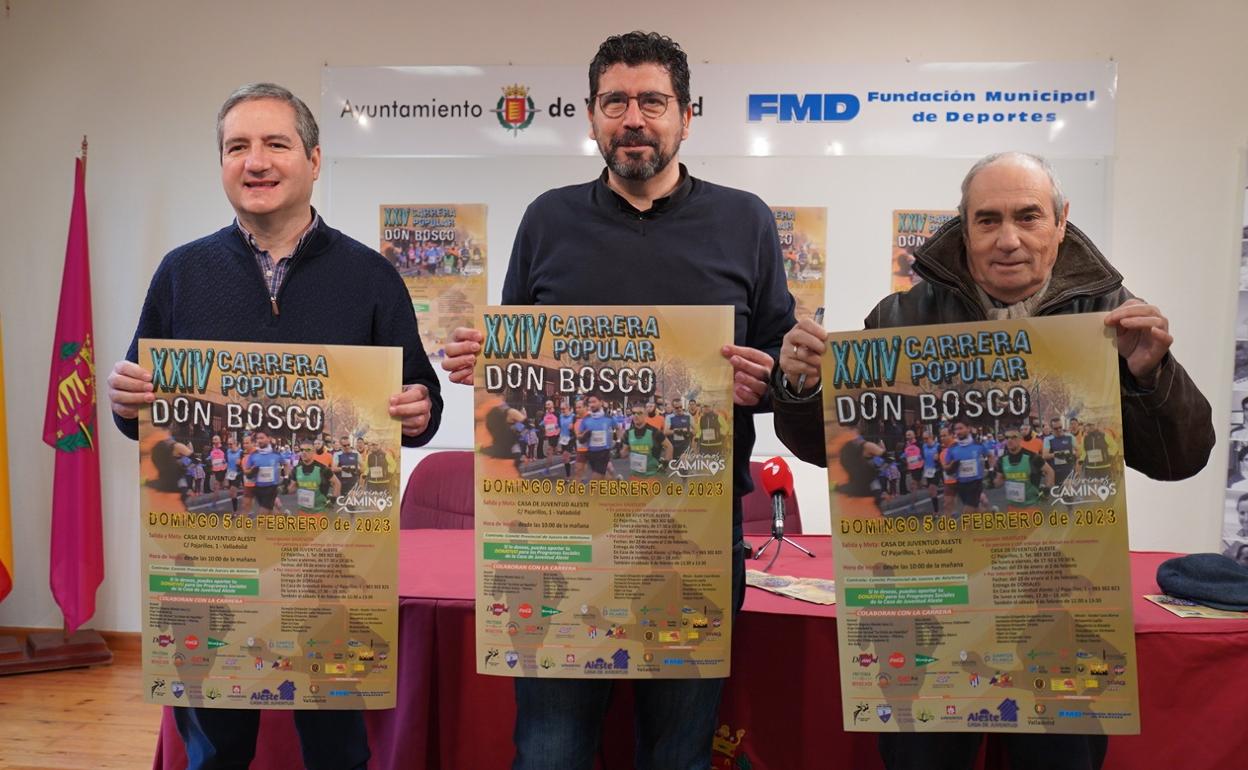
[
  {"x": 225, "y": 739},
  {"x": 559, "y": 721},
  {"x": 957, "y": 751}
]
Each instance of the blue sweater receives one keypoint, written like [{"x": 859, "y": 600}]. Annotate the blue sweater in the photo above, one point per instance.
[{"x": 337, "y": 292}]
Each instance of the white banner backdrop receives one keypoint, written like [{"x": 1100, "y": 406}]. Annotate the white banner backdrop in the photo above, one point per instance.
[
  {"x": 500, "y": 136},
  {"x": 1057, "y": 109}
]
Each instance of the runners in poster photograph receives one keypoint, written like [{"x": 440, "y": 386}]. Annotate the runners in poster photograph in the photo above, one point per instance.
[{"x": 587, "y": 435}]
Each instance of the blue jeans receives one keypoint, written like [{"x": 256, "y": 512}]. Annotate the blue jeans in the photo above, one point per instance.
[
  {"x": 559, "y": 721},
  {"x": 225, "y": 739},
  {"x": 957, "y": 751}
]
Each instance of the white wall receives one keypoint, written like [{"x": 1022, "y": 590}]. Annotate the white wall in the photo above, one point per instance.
[{"x": 143, "y": 79}]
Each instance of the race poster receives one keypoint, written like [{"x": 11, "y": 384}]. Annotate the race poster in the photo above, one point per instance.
[
  {"x": 604, "y": 492},
  {"x": 269, "y": 489},
  {"x": 803, "y": 234},
  {"x": 979, "y": 519},
  {"x": 440, "y": 250},
  {"x": 911, "y": 229}
]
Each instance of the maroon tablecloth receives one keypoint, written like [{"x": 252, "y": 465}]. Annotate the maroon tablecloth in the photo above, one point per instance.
[{"x": 784, "y": 691}]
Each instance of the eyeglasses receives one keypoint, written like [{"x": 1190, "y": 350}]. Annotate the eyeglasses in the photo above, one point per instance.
[{"x": 652, "y": 104}]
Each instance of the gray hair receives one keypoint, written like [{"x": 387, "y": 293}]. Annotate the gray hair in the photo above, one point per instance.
[
  {"x": 305, "y": 122},
  {"x": 1059, "y": 199}
]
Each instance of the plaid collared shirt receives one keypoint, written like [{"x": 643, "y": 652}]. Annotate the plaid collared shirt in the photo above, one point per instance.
[{"x": 275, "y": 272}]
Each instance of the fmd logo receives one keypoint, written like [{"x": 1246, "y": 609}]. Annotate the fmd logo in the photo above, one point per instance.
[{"x": 803, "y": 108}]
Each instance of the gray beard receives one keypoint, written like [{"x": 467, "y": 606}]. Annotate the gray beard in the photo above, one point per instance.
[{"x": 636, "y": 170}]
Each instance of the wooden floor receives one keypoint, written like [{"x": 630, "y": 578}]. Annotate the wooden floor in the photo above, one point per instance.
[{"x": 81, "y": 719}]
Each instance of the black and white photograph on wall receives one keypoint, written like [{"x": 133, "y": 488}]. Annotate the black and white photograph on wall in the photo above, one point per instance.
[
  {"x": 1243, "y": 262},
  {"x": 1235, "y": 520},
  {"x": 1241, "y": 365}
]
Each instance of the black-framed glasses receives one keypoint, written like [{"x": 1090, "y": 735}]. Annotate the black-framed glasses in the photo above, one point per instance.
[{"x": 652, "y": 104}]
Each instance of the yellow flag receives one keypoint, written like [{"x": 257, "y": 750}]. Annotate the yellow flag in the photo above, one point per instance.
[{"x": 6, "y": 531}]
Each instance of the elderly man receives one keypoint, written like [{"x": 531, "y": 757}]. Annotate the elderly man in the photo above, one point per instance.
[
  {"x": 1011, "y": 253},
  {"x": 268, "y": 277},
  {"x": 602, "y": 243}
]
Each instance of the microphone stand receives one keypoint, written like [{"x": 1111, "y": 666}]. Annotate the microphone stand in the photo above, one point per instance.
[{"x": 777, "y": 533}]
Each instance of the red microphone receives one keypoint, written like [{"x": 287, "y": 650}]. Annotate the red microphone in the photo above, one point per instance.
[{"x": 777, "y": 482}]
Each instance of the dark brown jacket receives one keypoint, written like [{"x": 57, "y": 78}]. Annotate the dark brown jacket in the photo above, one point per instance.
[{"x": 1167, "y": 431}]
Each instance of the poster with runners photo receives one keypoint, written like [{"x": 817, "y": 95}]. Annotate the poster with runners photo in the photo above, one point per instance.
[
  {"x": 604, "y": 492},
  {"x": 440, "y": 250},
  {"x": 979, "y": 522},
  {"x": 911, "y": 229},
  {"x": 804, "y": 245},
  {"x": 269, "y": 485}
]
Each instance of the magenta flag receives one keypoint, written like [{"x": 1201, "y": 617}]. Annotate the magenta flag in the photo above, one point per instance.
[{"x": 70, "y": 427}]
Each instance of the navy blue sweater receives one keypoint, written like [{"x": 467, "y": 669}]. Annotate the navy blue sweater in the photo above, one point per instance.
[
  {"x": 702, "y": 245},
  {"x": 337, "y": 292}
]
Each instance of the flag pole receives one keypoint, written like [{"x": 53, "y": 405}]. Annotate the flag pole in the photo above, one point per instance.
[{"x": 65, "y": 621}]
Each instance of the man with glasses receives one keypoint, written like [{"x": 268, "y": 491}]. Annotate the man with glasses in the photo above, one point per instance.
[{"x": 602, "y": 243}]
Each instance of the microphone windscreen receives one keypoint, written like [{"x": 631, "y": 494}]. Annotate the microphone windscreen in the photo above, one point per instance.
[{"x": 776, "y": 477}]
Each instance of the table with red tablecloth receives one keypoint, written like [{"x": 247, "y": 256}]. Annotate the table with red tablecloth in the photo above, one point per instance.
[{"x": 784, "y": 692}]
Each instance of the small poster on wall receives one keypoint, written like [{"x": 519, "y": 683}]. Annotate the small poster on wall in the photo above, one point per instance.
[
  {"x": 804, "y": 246},
  {"x": 911, "y": 229},
  {"x": 440, "y": 250}
]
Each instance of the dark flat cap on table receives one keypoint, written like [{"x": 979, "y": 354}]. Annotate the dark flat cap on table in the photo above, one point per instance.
[{"x": 1210, "y": 579}]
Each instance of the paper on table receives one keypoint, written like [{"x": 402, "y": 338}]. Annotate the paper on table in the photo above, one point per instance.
[
  {"x": 814, "y": 590},
  {"x": 1189, "y": 609}
]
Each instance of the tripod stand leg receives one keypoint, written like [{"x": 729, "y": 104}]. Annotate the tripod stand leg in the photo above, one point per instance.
[
  {"x": 798, "y": 547},
  {"x": 759, "y": 553}
]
